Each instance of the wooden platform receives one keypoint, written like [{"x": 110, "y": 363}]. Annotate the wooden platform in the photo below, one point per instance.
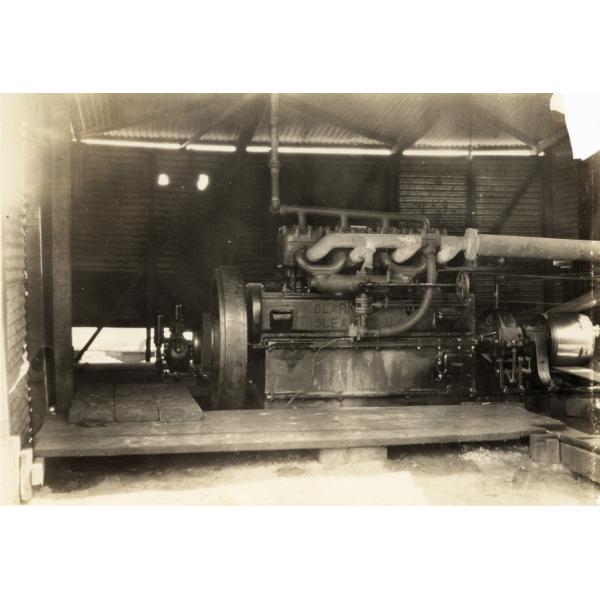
[
  {"x": 102, "y": 403},
  {"x": 293, "y": 429}
]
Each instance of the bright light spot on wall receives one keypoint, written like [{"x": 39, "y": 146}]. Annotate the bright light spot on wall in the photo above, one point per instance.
[
  {"x": 203, "y": 181},
  {"x": 163, "y": 179},
  {"x": 322, "y": 150}
]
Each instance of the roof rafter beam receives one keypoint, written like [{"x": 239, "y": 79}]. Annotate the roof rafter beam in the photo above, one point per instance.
[
  {"x": 229, "y": 111},
  {"x": 470, "y": 108},
  {"x": 255, "y": 113},
  {"x": 426, "y": 126},
  {"x": 151, "y": 116},
  {"x": 552, "y": 140},
  {"x": 325, "y": 115},
  {"x": 232, "y": 162}
]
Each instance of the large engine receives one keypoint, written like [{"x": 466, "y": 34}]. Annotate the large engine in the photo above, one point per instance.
[{"x": 368, "y": 310}]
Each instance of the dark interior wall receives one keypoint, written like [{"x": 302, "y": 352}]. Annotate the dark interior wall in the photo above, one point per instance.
[
  {"x": 565, "y": 193},
  {"x": 570, "y": 216},
  {"x": 129, "y": 232},
  {"x": 36, "y": 312},
  {"x": 456, "y": 193},
  {"x": 131, "y": 235}
]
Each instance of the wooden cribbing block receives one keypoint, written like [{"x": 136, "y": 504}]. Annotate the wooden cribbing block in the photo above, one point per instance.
[
  {"x": 38, "y": 471},
  {"x": 581, "y": 461},
  {"x": 544, "y": 448},
  {"x": 25, "y": 464}
]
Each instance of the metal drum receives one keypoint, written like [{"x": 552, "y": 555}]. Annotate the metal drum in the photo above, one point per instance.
[{"x": 572, "y": 339}]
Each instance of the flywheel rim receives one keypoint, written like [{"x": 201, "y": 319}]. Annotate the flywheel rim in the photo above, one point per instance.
[{"x": 228, "y": 310}]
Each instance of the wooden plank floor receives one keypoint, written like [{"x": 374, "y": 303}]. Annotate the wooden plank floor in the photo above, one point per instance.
[
  {"x": 293, "y": 429},
  {"x": 104, "y": 403}
]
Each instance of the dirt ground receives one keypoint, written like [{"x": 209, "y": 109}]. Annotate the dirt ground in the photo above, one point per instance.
[{"x": 450, "y": 475}]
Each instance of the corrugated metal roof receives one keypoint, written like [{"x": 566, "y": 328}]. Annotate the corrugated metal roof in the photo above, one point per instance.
[
  {"x": 450, "y": 132},
  {"x": 360, "y": 120}
]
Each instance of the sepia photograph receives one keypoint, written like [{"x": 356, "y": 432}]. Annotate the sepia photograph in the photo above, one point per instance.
[{"x": 300, "y": 299}]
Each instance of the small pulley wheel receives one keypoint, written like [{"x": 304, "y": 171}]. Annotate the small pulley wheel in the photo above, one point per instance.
[{"x": 463, "y": 286}]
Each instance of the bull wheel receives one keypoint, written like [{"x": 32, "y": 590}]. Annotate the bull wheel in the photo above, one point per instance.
[{"x": 225, "y": 340}]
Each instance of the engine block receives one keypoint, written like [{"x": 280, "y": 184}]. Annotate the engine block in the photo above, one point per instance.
[{"x": 373, "y": 311}]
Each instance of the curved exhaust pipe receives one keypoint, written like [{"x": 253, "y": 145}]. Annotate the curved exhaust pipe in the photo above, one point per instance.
[{"x": 418, "y": 314}]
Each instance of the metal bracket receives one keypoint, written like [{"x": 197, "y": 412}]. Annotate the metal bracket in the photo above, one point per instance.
[{"x": 542, "y": 362}]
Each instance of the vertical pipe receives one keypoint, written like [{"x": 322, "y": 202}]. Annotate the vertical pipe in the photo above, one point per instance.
[{"x": 274, "y": 163}]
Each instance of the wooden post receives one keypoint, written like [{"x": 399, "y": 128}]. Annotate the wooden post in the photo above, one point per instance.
[
  {"x": 548, "y": 215},
  {"x": 509, "y": 208},
  {"x": 584, "y": 222},
  {"x": 471, "y": 204},
  {"x": 151, "y": 231},
  {"x": 59, "y": 264},
  {"x": 394, "y": 182}
]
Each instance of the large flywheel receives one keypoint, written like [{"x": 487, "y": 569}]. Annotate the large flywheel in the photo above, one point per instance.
[{"x": 225, "y": 340}]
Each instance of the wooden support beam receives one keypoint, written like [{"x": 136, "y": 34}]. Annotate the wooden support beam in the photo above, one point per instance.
[
  {"x": 548, "y": 195},
  {"x": 471, "y": 204},
  {"x": 497, "y": 226},
  {"x": 234, "y": 109},
  {"x": 548, "y": 216},
  {"x": 368, "y": 181},
  {"x": 59, "y": 265},
  {"x": 236, "y": 164},
  {"x": 115, "y": 307},
  {"x": 552, "y": 140},
  {"x": 584, "y": 223},
  {"x": 87, "y": 345},
  {"x": 393, "y": 173},
  {"x": 149, "y": 116},
  {"x": 256, "y": 109},
  {"x": 472, "y": 108},
  {"x": 151, "y": 233},
  {"x": 429, "y": 119}
]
